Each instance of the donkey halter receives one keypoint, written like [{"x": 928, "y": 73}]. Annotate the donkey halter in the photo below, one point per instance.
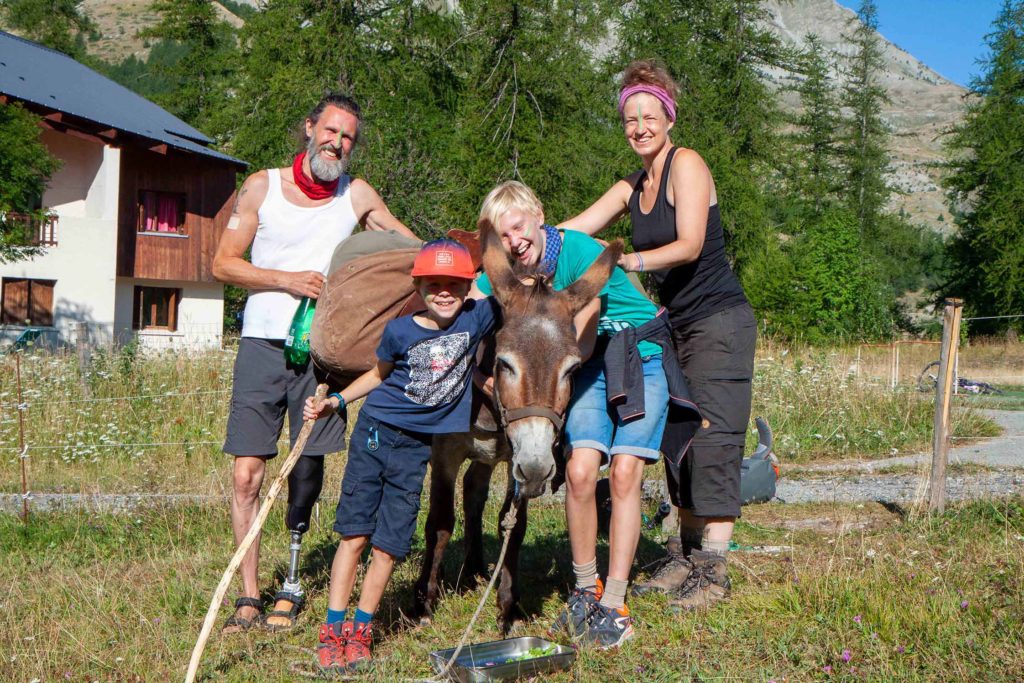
[{"x": 509, "y": 416}]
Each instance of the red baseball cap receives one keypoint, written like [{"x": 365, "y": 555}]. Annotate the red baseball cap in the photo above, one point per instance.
[{"x": 444, "y": 257}]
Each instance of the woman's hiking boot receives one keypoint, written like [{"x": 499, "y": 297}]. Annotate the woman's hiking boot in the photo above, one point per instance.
[
  {"x": 357, "y": 647},
  {"x": 669, "y": 577},
  {"x": 330, "y": 653},
  {"x": 707, "y": 584},
  {"x": 572, "y": 619}
]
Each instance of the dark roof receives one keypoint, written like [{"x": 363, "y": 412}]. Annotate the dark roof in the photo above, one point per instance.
[{"x": 51, "y": 79}]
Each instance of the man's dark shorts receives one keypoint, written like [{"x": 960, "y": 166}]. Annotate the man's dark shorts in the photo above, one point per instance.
[
  {"x": 380, "y": 493},
  {"x": 263, "y": 390},
  {"x": 717, "y": 356}
]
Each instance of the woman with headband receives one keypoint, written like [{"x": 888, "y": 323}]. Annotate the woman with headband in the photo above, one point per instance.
[{"x": 677, "y": 237}]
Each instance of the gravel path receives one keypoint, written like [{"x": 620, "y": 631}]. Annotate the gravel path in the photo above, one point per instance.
[
  {"x": 846, "y": 482},
  {"x": 856, "y": 482},
  {"x": 1004, "y": 451}
]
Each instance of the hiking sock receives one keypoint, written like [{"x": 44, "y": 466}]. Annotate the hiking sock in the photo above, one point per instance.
[
  {"x": 586, "y": 574},
  {"x": 362, "y": 617},
  {"x": 692, "y": 539},
  {"x": 336, "y": 616},
  {"x": 615, "y": 593},
  {"x": 717, "y": 547}
]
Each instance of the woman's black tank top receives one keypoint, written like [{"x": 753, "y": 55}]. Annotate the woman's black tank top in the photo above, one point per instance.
[{"x": 693, "y": 290}]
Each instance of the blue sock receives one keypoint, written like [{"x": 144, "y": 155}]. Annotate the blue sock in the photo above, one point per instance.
[
  {"x": 335, "y": 616},
  {"x": 363, "y": 617}
]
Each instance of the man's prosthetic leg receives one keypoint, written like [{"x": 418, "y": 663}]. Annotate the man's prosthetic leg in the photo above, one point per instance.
[{"x": 304, "y": 485}]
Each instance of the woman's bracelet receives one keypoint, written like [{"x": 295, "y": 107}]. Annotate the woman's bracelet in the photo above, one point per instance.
[
  {"x": 341, "y": 402},
  {"x": 639, "y": 262}
]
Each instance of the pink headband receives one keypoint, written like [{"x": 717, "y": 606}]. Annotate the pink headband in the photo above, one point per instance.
[{"x": 659, "y": 92}]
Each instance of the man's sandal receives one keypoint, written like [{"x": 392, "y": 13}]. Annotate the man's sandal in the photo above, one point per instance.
[
  {"x": 237, "y": 624},
  {"x": 291, "y": 614}
]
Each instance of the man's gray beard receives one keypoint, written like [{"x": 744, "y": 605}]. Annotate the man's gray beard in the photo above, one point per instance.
[{"x": 323, "y": 170}]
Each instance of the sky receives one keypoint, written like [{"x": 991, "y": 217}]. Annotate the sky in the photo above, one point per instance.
[{"x": 947, "y": 35}]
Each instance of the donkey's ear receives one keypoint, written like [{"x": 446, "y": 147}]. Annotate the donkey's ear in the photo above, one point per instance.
[
  {"x": 496, "y": 265},
  {"x": 581, "y": 292}
]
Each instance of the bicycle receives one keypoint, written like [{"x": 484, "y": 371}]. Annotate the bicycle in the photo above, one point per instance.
[{"x": 928, "y": 381}]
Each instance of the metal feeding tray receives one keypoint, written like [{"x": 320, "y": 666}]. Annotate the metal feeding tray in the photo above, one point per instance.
[{"x": 504, "y": 660}]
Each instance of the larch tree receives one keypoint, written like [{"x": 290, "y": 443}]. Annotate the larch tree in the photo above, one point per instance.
[
  {"x": 986, "y": 183},
  {"x": 865, "y": 146}
]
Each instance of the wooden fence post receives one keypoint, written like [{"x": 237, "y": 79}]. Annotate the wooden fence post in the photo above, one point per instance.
[{"x": 943, "y": 391}]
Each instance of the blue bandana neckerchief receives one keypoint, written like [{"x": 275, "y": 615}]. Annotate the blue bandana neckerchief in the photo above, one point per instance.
[{"x": 552, "y": 247}]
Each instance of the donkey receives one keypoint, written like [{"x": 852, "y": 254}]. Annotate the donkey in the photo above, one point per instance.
[{"x": 535, "y": 355}]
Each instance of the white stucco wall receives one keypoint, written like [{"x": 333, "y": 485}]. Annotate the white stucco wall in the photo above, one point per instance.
[
  {"x": 200, "y": 316},
  {"x": 84, "y": 195}
]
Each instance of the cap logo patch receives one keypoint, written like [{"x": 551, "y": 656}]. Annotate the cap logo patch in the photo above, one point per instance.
[{"x": 444, "y": 258}]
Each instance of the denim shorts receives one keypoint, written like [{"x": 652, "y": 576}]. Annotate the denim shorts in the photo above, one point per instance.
[
  {"x": 593, "y": 424},
  {"x": 380, "y": 492}
]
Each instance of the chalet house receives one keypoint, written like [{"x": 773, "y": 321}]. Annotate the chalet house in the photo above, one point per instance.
[{"x": 137, "y": 209}]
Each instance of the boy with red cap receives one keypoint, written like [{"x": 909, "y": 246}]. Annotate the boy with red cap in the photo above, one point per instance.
[{"x": 420, "y": 387}]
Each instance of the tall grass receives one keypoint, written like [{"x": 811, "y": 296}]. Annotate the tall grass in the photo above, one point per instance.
[{"x": 129, "y": 422}]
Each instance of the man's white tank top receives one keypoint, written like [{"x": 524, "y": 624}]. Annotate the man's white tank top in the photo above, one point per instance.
[{"x": 293, "y": 238}]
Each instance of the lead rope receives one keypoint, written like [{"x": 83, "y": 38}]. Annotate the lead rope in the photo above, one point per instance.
[{"x": 507, "y": 525}]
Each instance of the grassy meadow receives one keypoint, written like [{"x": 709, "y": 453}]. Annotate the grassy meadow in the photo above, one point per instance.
[
  {"x": 856, "y": 593},
  {"x": 850, "y": 592}
]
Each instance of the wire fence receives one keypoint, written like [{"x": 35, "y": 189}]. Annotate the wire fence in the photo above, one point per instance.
[{"x": 897, "y": 364}]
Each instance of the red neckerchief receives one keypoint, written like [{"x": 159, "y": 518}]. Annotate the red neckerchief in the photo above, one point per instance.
[{"x": 311, "y": 188}]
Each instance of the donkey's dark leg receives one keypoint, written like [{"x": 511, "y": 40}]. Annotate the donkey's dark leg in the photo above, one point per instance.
[
  {"x": 509, "y": 611},
  {"x": 445, "y": 459},
  {"x": 475, "y": 485}
]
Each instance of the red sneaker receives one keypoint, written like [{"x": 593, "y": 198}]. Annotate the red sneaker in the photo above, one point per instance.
[
  {"x": 330, "y": 653},
  {"x": 357, "y": 647}
]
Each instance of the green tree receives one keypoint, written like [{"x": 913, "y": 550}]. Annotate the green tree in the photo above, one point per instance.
[
  {"x": 394, "y": 58},
  {"x": 986, "y": 183},
  {"x": 58, "y": 24},
  {"x": 534, "y": 105},
  {"x": 865, "y": 146},
  {"x": 201, "y": 74},
  {"x": 827, "y": 293},
  {"x": 25, "y": 167},
  {"x": 816, "y": 169}
]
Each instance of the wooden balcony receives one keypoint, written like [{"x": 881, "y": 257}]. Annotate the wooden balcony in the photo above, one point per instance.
[{"x": 33, "y": 230}]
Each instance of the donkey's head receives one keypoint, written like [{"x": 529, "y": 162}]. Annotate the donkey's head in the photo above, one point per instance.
[{"x": 535, "y": 356}]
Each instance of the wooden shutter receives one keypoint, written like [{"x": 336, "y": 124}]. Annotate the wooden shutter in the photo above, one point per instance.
[
  {"x": 15, "y": 304},
  {"x": 41, "y": 302}
]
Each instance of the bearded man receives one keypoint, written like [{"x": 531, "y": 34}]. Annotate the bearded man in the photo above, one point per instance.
[{"x": 293, "y": 218}]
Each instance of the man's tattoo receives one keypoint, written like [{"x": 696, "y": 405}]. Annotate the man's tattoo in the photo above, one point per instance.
[{"x": 238, "y": 199}]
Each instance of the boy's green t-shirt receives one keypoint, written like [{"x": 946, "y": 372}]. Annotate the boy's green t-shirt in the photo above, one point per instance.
[{"x": 621, "y": 304}]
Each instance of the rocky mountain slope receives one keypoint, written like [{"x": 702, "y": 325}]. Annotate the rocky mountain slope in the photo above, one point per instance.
[
  {"x": 119, "y": 22},
  {"x": 924, "y": 104}
]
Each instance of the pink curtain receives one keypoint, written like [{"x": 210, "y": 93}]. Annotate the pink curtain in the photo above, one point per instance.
[
  {"x": 161, "y": 212},
  {"x": 167, "y": 214}
]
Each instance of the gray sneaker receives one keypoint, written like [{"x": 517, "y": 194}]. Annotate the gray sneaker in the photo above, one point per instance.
[
  {"x": 607, "y": 627},
  {"x": 572, "y": 619},
  {"x": 668, "y": 578},
  {"x": 707, "y": 585}
]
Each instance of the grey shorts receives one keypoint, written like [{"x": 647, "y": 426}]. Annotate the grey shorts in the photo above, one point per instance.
[
  {"x": 263, "y": 389},
  {"x": 717, "y": 357}
]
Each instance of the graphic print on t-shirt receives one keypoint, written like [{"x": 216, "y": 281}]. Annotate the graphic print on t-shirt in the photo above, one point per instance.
[{"x": 437, "y": 369}]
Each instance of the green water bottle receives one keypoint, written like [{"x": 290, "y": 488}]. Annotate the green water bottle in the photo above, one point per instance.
[{"x": 296, "y": 344}]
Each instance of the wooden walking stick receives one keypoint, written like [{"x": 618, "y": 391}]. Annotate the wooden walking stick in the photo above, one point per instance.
[{"x": 243, "y": 547}]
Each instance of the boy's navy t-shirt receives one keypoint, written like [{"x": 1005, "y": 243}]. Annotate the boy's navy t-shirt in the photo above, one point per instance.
[{"x": 428, "y": 390}]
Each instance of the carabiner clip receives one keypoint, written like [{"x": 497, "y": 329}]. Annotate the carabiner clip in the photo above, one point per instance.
[{"x": 373, "y": 440}]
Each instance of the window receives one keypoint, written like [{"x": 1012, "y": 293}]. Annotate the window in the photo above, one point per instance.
[
  {"x": 161, "y": 213},
  {"x": 156, "y": 308},
  {"x": 27, "y": 302}
]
